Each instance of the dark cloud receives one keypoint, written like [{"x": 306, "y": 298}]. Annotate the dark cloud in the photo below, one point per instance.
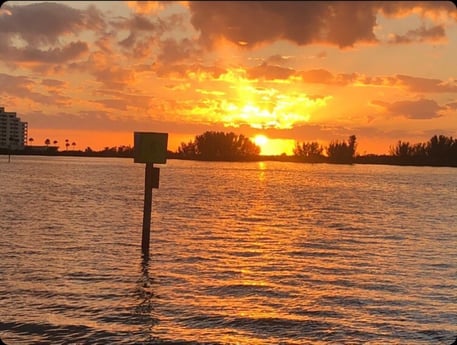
[
  {"x": 104, "y": 43},
  {"x": 145, "y": 35},
  {"x": 322, "y": 76},
  {"x": 142, "y": 23},
  {"x": 34, "y": 32},
  {"x": 414, "y": 84},
  {"x": 302, "y": 22},
  {"x": 269, "y": 72},
  {"x": 105, "y": 70},
  {"x": 129, "y": 41},
  {"x": 138, "y": 46},
  {"x": 278, "y": 59},
  {"x": 340, "y": 23},
  {"x": 53, "y": 83},
  {"x": 47, "y": 56},
  {"x": 124, "y": 101},
  {"x": 422, "y": 34},
  {"x": 319, "y": 76},
  {"x": 172, "y": 51},
  {"x": 45, "y": 22},
  {"x": 137, "y": 23},
  {"x": 114, "y": 77},
  {"x": 402, "y": 8},
  {"x": 314, "y": 76},
  {"x": 22, "y": 87},
  {"x": 421, "y": 109},
  {"x": 417, "y": 84}
]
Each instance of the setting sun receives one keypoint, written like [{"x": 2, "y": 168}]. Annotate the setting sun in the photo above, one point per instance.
[
  {"x": 260, "y": 140},
  {"x": 271, "y": 147}
]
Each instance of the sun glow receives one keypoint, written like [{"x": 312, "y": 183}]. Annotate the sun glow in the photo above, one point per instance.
[
  {"x": 273, "y": 147},
  {"x": 260, "y": 140},
  {"x": 270, "y": 106}
]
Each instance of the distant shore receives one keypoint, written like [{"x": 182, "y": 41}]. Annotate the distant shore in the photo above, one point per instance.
[{"x": 362, "y": 159}]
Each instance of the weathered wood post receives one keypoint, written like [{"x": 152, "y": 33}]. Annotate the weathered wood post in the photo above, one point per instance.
[
  {"x": 145, "y": 239},
  {"x": 149, "y": 148}
]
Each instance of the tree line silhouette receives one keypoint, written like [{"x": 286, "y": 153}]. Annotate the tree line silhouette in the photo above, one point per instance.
[
  {"x": 440, "y": 150},
  {"x": 219, "y": 146},
  {"x": 337, "y": 151}
]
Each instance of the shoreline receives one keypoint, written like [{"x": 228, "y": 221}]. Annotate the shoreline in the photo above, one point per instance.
[{"x": 367, "y": 159}]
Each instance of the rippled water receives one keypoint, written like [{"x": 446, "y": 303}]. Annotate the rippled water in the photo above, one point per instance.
[{"x": 241, "y": 253}]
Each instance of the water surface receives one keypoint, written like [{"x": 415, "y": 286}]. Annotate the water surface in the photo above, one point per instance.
[{"x": 241, "y": 253}]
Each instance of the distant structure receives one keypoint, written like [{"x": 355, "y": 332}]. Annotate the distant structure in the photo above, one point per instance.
[{"x": 13, "y": 132}]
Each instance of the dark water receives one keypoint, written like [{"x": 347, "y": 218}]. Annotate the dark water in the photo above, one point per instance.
[{"x": 241, "y": 253}]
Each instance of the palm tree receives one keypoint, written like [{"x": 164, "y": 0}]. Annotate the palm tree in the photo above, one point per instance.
[
  {"x": 73, "y": 144},
  {"x": 55, "y": 142},
  {"x": 67, "y": 144},
  {"x": 47, "y": 142},
  {"x": 31, "y": 141}
]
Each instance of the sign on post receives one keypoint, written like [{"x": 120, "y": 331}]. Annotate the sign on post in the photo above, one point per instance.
[{"x": 149, "y": 148}]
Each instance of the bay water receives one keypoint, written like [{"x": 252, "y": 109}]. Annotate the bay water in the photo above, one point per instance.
[{"x": 241, "y": 253}]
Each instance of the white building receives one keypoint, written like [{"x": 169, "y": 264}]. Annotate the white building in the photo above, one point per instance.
[{"x": 13, "y": 132}]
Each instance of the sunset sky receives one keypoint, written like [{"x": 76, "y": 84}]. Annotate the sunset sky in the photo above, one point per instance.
[{"x": 95, "y": 72}]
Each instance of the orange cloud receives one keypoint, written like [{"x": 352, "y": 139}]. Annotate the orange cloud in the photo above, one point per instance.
[
  {"x": 193, "y": 72},
  {"x": 421, "y": 109},
  {"x": 24, "y": 88},
  {"x": 434, "y": 34},
  {"x": 146, "y": 7},
  {"x": 270, "y": 72}
]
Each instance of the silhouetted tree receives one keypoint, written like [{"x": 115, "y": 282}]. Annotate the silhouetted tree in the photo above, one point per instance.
[
  {"x": 419, "y": 150},
  {"x": 220, "y": 146},
  {"x": 47, "y": 142},
  {"x": 309, "y": 151},
  {"x": 187, "y": 150},
  {"x": 73, "y": 144},
  {"x": 31, "y": 141},
  {"x": 55, "y": 142},
  {"x": 402, "y": 149},
  {"x": 109, "y": 151},
  {"x": 67, "y": 144},
  {"x": 125, "y": 151},
  {"x": 342, "y": 151},
  {"x": 439, "y": 150}
]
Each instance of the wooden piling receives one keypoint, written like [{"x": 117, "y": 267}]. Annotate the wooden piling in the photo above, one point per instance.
[{"x": 148, "y": 183}]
